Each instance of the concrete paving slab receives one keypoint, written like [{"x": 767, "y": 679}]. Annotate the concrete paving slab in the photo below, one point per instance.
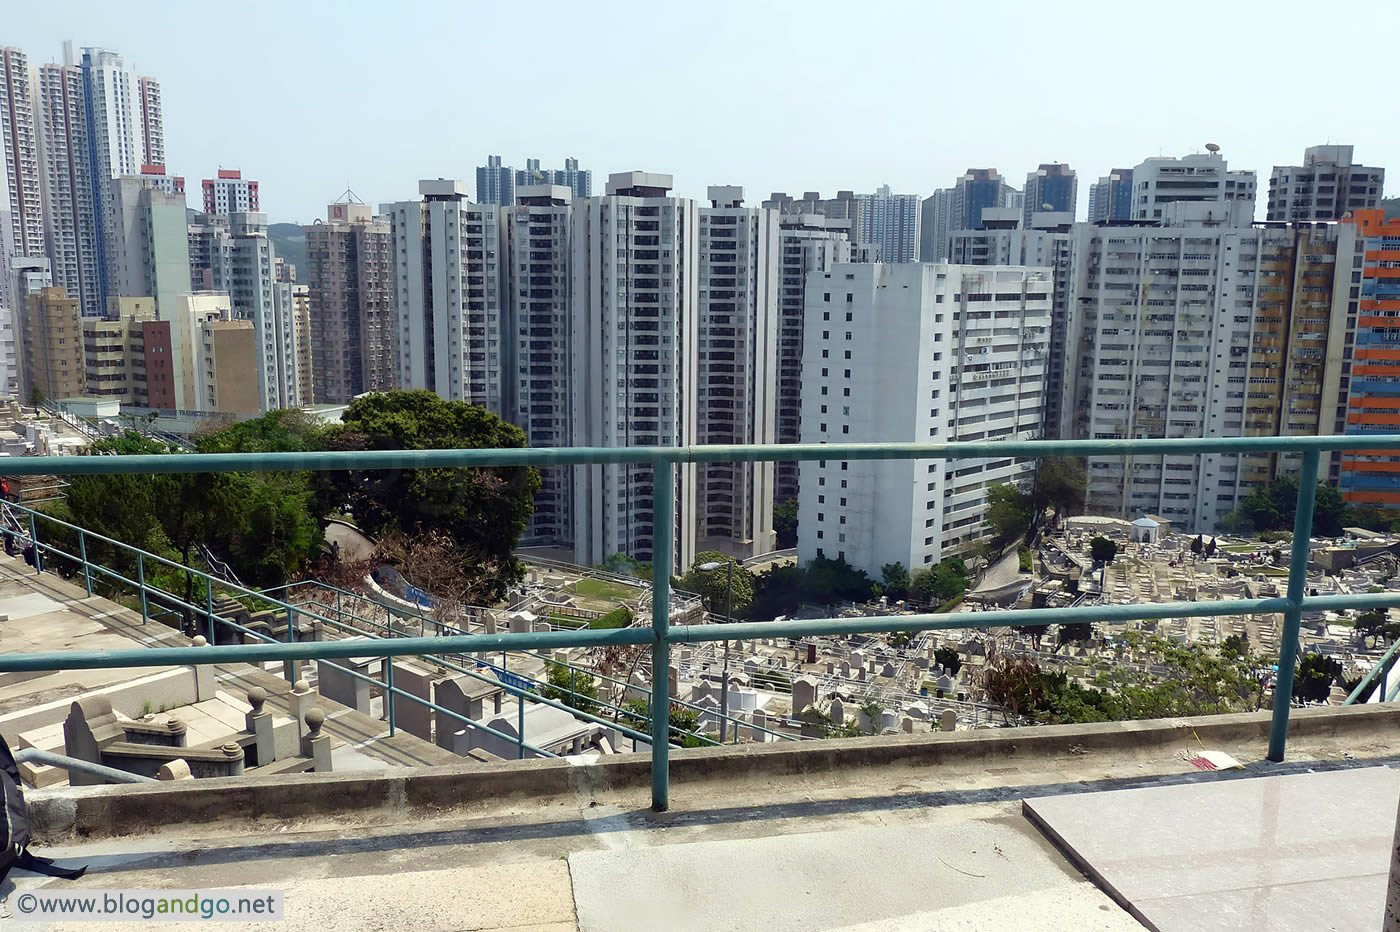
[
  {"x": 1259, "y": 854},
  {"x": 814, "y": 880},
  {"x": 1082, "y": 908}
]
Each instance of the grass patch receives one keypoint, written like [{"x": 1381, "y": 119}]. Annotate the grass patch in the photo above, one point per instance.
[
  {"x": 617, "y": 618},
  {"x": 603, "y": 589}
]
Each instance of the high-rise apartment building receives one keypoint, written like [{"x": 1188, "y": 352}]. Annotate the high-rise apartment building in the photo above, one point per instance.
[
  {"x": 125, "y": 133},
  {"x": 539, "y": 334},
  {"x": 149, "y": 240},
  {"x": 846, "y": 205},
  {"x": 927, "y": 352},
  {"x": 27, "y": 275},
  {"x": 228, "y": 350},
  {"x": 1051, "y": 188},
  {"x": 230, "y": 193},
  {"x": 1111, "y": 198},
  {"x": 449, "y": 272},
  {"x": 890, "y": 222},
  {"x": 736, "y": 369},
  {"x": 296, "y": 299},
  {"x": 1202, "y": 178},
  {"x": 241, "y": 262},
  {"x": 960, "y": 207},
  {"x": 497, "y": 183},
  {"x": 935, "y": 213},
  {"x": 634, "y": 297},
  {"x": 152, "y": 123},
  {"x": 1047, "y": 245},
  {"x": 1327, "y": 186},
  {"x": 70, "y": 213},
  {"x": 127, "y": 354},
  {"x": 809, "y": 244},
  {"x": 51, "y": 347},
  {"x": 577, "y": 180},
  {"x": 1204, "y": 330},
  {"x": 187, "y": 347},
  {"x": 351, "y": 290},
  {"x": 1373, "y": 390},
  {"x": 19, "y": 133}
]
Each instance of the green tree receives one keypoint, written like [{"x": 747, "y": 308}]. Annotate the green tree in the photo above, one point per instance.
[
  {"x": 713, "y": 585},
  {"x": 1060, "y": 483},
  {"x": 777, "y": 592},
  {"x": 484, "y": 509},
  {"x": 949, "y": 659},
  {"x": 945, "y": 581},
  {"x": 895, "y": 579},
  {"x": 683, "y": 720},
  {"x": 1008, "y": 513},
  {"x": 785, "y": 523},
  {"x": 572, "y": 687},
  {"x": 1271, "y": 507},
  {"x": 1102, "y": 550}
]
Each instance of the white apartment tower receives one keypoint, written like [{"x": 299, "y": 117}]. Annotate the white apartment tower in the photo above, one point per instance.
[
  {"x": 20, "y": 136},
  {"x": 928, "y": 353},
  {"x": 1202, "y": 178},
  {"x": 808, "y": 244},
  {"x": 1327, "y": 186},
  {"x": 736, "y": 369},
  {"x": 1048, "y": 243},
  {"x": 448, "y": 265},
  {"x": 539, "y": 338},
  {"x": 633, "y": 299}
]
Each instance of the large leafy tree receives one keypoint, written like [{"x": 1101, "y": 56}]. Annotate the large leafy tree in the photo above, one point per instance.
[
  {"x": 1060, "y": 483},
  {"x": 713, "y": 585},
  {"x": 485, "y": 510},
  {"x": 1008, "y": 513}
]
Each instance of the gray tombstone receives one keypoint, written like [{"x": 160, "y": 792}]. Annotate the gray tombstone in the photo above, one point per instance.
[
  {"x": 948, "y": 721},
  {"x": 417, "y": 680},
  {"x": 837, "y": 711},
  {"x": 845, "y": 669},
  {"x": 906, "y": 725},
  {"x": 338, "y": 685},
  {"x": 888, "y": 670},
  {"x": 888, "y": 720}
]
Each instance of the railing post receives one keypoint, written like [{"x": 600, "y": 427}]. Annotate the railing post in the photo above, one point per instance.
[
  {"x": 389, "y": 690},
  {"x": 82, "y": 554},
  {"x": 292, "y": 668},
  {"x": 661, "y": 527},
  {"x": 1293, "y": 616},
  {"x": 520, "y": 727},
  {"x": 34, "y": 542},
  {"x": 141, "y": 584},
  {"x": 209, "y": 608}
]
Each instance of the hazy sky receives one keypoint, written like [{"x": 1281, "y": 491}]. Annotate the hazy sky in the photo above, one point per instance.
[{"x": 306, "y": 97}]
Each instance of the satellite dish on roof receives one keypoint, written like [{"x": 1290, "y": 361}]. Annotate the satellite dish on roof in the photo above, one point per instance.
[{"x": 1212, "y": 147}]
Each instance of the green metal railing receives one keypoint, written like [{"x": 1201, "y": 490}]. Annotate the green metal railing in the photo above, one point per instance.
[{"x": 662, "y": 635}]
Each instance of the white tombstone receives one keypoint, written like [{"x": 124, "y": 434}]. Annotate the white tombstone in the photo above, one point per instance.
[
  {"x": 804, "y": 693},
  {"x": 888, "y": 720}
]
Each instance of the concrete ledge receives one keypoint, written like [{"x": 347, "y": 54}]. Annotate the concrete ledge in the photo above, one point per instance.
[{"x": 130, "y": 809}]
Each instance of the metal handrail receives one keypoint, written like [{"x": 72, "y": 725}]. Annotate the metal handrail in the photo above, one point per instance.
[{"x": 662, "y": 635}]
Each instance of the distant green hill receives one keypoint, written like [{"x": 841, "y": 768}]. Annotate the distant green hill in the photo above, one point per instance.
[{"x": 289, "y": 241}]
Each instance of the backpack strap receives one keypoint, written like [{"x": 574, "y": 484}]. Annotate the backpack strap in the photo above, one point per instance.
[{"x": 41, "y": 865}]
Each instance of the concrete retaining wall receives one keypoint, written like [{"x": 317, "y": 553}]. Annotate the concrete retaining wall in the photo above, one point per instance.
[{"x": 134, "y": 808}]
